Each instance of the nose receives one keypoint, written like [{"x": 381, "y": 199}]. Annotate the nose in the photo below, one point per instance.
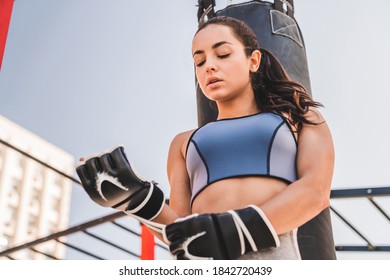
[{"x": 210, "y": 66}]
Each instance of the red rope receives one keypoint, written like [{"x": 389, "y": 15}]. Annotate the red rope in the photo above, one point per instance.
[{"x": 5, "y": 18}]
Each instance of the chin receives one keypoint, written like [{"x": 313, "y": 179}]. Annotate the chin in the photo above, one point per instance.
[{"x": 216, "y": 96}]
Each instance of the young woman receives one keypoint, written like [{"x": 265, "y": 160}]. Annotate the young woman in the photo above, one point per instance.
[{"x": 243, "y": 184}]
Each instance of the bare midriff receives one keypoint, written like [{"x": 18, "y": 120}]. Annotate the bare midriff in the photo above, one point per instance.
[{"x": 236, "y": 193}]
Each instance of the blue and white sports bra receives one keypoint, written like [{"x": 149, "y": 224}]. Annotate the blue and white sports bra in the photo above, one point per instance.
[{"x": 262, "y": 144}]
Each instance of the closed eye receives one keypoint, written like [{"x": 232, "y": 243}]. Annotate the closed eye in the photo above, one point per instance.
[
  {"x": 199, "y": 64},
  {"x": 223, "y": 55}
]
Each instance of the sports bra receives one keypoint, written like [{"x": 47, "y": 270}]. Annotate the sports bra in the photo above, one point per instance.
[{"x": 262, "y": 144}]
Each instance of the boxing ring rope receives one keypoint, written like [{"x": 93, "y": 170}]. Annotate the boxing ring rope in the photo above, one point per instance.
[
  {"x": 147, "y": 240},
  {"x": 63, "y": 174}
]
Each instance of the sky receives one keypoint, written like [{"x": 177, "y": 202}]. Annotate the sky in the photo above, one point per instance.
[{"x": 87, "y": 75}]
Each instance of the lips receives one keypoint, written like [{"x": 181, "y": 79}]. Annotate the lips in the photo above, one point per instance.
[{"x": 213, "y": 80}]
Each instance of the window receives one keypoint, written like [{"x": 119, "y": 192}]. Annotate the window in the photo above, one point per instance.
[
  {"x": 35, "y": 196},
  {"x": 16, "y": 186},
  {"x": 38, "y": 175},
  {"x": 56, "y": 204},
  {"x": 58, "y": 180},
  {"x": 32, "y": 224},
  {"x": 10, "y": 216}
]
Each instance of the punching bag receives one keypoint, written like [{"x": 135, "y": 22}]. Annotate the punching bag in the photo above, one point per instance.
[{"x": 277, "y": 31}]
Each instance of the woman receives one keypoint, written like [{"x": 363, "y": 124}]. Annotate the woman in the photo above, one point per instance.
[{"x": 256, "y": 174}]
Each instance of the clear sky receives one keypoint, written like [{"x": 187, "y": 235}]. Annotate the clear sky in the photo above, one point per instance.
[{"x": 87, "y": 75}]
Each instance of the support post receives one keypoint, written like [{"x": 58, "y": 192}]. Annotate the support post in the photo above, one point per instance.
[{"x": 147, "y": 244}]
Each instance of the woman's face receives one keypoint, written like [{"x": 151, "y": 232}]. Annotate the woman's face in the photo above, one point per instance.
[{"x": 222, "y": 67}]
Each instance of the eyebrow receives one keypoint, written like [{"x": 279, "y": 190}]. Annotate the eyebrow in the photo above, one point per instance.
[{"x": 216, "y": 45}]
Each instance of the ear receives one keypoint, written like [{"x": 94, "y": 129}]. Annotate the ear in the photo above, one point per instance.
[{"x": 255, "y": 59}]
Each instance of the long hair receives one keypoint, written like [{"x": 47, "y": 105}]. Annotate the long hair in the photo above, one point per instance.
[{"x": 273, "y": 89}]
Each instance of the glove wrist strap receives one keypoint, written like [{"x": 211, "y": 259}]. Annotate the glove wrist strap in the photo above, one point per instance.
[
  {"x": 256, "y": 228},
  {"x": 151, "y": 206}
]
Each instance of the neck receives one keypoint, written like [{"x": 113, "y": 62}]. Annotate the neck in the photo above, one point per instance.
[{"x": 237, "y": 108}]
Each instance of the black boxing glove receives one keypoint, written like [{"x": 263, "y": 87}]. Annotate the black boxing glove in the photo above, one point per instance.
[
  {"x": 220, "y": 236},
  {"x": 110, "y": 181}
]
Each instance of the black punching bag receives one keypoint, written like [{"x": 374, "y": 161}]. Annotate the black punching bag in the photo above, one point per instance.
[{"x": 277, "y": 31}]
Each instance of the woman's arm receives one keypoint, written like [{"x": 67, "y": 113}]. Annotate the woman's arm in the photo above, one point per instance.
[
  {"x": 180, "y": 194},
  {"x": 179, "y": 202},
  {"x": 310, "y": 194}
]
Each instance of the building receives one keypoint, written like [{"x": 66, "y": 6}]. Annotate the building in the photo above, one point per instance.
[{"x": 34, "y": 199}]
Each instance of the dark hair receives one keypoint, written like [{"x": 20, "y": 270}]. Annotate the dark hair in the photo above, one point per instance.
[{"x": 273, "y": 89}]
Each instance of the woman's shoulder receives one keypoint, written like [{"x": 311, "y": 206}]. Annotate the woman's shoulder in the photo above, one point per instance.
[
  {"x": 314, "y": 115},
  {"x": 180, "y": 141},
  {"x": 183, "y": 136}
]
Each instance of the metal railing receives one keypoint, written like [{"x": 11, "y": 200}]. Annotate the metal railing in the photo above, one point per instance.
[
  {"x": 366, "y": 193},
  {"x": 83, "y": 228}
]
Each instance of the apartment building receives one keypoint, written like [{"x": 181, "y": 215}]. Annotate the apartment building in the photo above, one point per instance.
[{"x": 34, "y": 199}]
